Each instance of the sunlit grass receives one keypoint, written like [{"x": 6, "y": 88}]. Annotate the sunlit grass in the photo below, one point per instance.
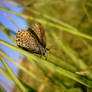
[{"x": 65, "y": 62}]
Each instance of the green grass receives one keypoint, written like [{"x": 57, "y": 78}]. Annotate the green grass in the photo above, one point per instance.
[{"x": 68, "y": 32}]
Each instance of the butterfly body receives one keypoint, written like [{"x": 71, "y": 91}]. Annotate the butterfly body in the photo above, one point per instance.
[{"x": 32, "y": 40}]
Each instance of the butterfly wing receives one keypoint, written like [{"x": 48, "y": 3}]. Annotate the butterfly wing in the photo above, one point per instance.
[
  {"x": 40, "y": 33},
  {"x": 27, "y": 41}
]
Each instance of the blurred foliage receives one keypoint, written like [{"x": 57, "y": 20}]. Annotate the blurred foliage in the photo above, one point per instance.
[
  {"x": 2, "y": 89},
  {"x": 68, "y": 25}
]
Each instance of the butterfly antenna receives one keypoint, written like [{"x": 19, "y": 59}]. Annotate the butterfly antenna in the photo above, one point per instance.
[{"x": 11, "y": 21}]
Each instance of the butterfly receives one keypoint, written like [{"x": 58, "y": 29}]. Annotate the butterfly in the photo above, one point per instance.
[{"x": 33, "y": 39}]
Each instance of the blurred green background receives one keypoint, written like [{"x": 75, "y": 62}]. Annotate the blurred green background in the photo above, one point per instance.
[{"x": 68, "y": 67}]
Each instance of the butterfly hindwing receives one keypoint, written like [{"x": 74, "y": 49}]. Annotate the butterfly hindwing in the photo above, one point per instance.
[{"x": 27, "y": 41}]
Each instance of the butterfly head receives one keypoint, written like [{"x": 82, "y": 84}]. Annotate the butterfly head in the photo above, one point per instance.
[
  {"x": 47, "y": 50},
  {"x": 43, "y": 51}
]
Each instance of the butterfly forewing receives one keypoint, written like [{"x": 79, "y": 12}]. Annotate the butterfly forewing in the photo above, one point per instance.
[{"x": 39, "y": 31}]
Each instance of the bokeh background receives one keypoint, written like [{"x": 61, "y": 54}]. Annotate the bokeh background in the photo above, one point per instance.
[{"x": 68, "y": 65}]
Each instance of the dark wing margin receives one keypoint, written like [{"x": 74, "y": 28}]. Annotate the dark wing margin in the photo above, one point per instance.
[{"x": 39, "y": 33}]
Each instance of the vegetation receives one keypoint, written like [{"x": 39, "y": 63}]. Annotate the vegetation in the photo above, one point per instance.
[{"x": 68, "y": 67}]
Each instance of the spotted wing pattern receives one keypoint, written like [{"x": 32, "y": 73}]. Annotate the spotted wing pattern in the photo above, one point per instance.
[
  {"x": 40, "y": 33},
  {"x": 26, "y": 40}
]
